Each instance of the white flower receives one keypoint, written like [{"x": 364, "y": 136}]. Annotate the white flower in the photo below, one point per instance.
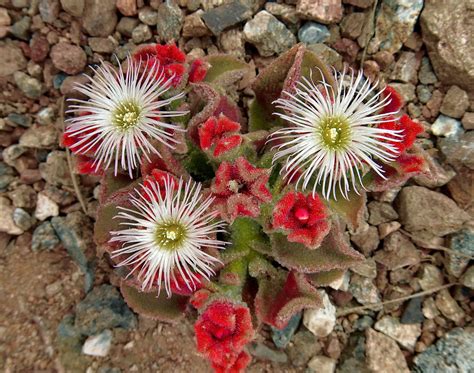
[
  {"x": 167, "y": 231},
  {"x": 123, "y": 115},
  {"x": 333, "y": 135}
]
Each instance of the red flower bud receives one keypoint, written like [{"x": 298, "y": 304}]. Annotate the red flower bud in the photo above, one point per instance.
[{"x": 220, "y": 133}]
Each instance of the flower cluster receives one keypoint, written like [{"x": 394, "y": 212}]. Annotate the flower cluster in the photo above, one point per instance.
[{"x": 241, "y": 219}]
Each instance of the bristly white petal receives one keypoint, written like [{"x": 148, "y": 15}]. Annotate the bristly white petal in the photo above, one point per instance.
[
  {"x": 333, "y": 134},
  {"x": 157, "y": 211},
  {"x": 122, "y": 115}
]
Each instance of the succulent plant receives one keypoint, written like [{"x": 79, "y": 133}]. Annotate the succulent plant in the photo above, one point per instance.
[{"x": 219, "y": 206}]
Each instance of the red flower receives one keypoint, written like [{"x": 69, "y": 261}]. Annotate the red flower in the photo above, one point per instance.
[
  {"x": 222, "y": 331},
  {"x": 85, "y": 166},
  {"x": 395, "y": 100},
  {"x": 169, "y": 57},
  {"x": 239, "y": 189},
  {"x": 243, "y": 359},
  {"x": 220, "y": 133},
  {"x": 410, "y": 130},
  {"x": 305, "y": 218},
  {"x": 197, "y": 71}
]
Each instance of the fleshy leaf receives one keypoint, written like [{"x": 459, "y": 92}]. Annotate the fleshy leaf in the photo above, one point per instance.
[
  {"x": 221, "y": 65},
  {"x": 334, "y": 253},
  {"x": 350, "y": 209},
  {"x": 153, "y": 306},
  {"x": 109, "y": 184},
  {"x": 278, "y": 300},
  {"x": 197, "y": 164},
  {"x": 325, "y": 278}
]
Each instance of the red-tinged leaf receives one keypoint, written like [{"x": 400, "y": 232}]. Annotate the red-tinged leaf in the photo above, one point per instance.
[
  {"x": 221, "y": 64},
  {"x": 278, "y": 300},
  {"x": 351, "y": 209},
  {"x": 153, "y": 306},
  {"x": 111, "y": 183}
]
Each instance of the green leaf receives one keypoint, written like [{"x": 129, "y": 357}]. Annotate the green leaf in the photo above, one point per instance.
[
  {"x": 197, "y": 164},
  {"x": 248, "y": 235},
  {"x": 260, "y": 118},
  {"x": 325, "y": 278},
  {"x": 222, "y": 64},
  {"x": 154, "y": 306}
]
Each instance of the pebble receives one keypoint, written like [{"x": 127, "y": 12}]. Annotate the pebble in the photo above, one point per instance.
[
  {"x": 429, "y": 309},
  {"x": 380, "y": 212},
  {"x": 73, "y": 7},
  {"x": 406, "y": 90},
  {"x": 364, "y": 290},
  {"x": 352, "y": 25},
  {"x": 383, "y": 354},
  {"x": 431, "y": 277},
  {"x": 127, "y": 7},
  {"x": 22, "y": 219},
  {"x": 103, "y": 308},
  {"x": 282, "y": 337},
  {"x": 7, "y": 224},
  {"x": 426, "y": 74},
  {"x": 367, "y": 241},
  {"x": 468, "y": 278},
  {"x": 413, "y": 313},
  {"x": 194, "y": 26},
  {"x": 313, "y": 33},
  {"x": 40, "y": 137},
  {"x": 12, "y": 153},
  {"x": 227, "y": 15},
  {"x": 68, "y": 58},
  {"x": 451, "y": 354},
  {"x": 468, "y": 121},
  {"x": 260, "y": 351},
  {"x": 459, "y": 151},
  {"x": 366, "y": 268},
  {"x": 268, "y": 34},
  {"x": 421, "y": 209},
  {"x": 126, "y": 26},
  {"x": 405, "y": 334},
  {"x": 394, "y": 24},
  {"x": 21, "y": 28},
  {"x": 423, "y": 93},
  {"x": 23, "y": 196},
  {"x": 141, "y": 33},
  {"x": 98, "y": 345},
  {"x": 449, "y": 307},
  {"x": 406, "y": 68},
  {"x": 45, "y": 207},
  {"x": 100, "y": 17},
  {"x": 386, "y": 228},
  {"x": 446, "y": 127},
  {"x": 327, "y": 55},
  {"x": 398, "y": 252},
  {"x": 45, "y": 116},
  {"x": 170, "y": 20},
  {"x": 462, "y": 242},
  {"x": 55, "y": 170},
  {"x": 455, "y": 102},
  {"x": 324, "y": 11},
  {"x": 303, "y": 347},
  {"x": 11, "y": 59},
  {"x": 39, "y": 48},
  {"x": 285, "y": 12},
  {"x": 321, "y": 321},
  {"x": 49, "y": 10},
  {"x": 322, "y": 364},
  {"x": 31, "y": 87},
  {"x": 102, "y": 45},
  {"x": 359, "y": 3},
  {"x": 44, "y": 237},
  {"x": 148, "y": 16}
]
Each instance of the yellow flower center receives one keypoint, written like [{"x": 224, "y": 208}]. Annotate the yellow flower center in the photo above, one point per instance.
[
  {"x": 170, "y": 236},
  {"x": 126, "y": 116},
  {"x": 334, "y": 132}
]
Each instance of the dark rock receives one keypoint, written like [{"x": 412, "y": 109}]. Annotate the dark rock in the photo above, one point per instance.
[
  {"x": 281, "y": 337},
  {"x": 412, "y": 313},
  {"x": 461, "y": 242},
  {"x": 261, "y": 351},
  {"x": 451, "y": 354},
  {"x": 353, "y": 356},
  {"x": 21, "y": 28},
  {"x": 39, "y": 48},
  {"x": 225, "y": 16},
  {"x": 44, "y": 237},
  {"x": 170, "y": 20},
  {"x": 303, "y": 347}
]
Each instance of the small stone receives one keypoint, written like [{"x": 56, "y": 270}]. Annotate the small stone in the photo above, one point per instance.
[
  {"x": 49, "y": 10},
  {"x": 98, "y": 345},
  {"x": 281, "y": 337},
  {"x": 44, "y": 237},
  {"x": 459, "y": 151},
  {"x": 31, "y": 87},
  {"x": 322, "y": 364},
  {"x": 405, "y": 334},
  {"x": 371, "y": 70},
  {"x": 460, "y": 187},
  {"x": 126, "y": 25},
  {"x": 413, "y": 313},
  {"x": 7, "y": 224},
  {"x": 39, "y": 48},
  {"x": 68, "y": 58},
  {"x": 384, "y": 59},
  {"x": 45, "y": 116},
  {"x": 406, "y": 68},
  {"x": 364, "y": 290},
  {"x": 21, "y": 28},
  {"x": 423, "y": 93},
  {"x": 468, "y": 278},
  {"x": 22, "y": 219},
  {"x": 268, "y": 34},
  {"x": 462, "y": 242},
  {"x": 11, "y": 59},
  {"x": 455, "y": 103},
  {"x": 426, "y": 74},
  {"x": 363, "y": 323},
  {"x": 12, "y": 153},
  {"x": 56, "y": 171},
  {"x": 303, "y": 347},
  {"x": 386, "y": 228},
  {"x": 449, "y": 307},
  {"x": 321, "y": 321},
  {"x": 352, "y": 24},
  {"x": 366, "y": 268},
  {"x": 5, "y": 19},
  {"x": 327, "y": 55},
  {"x": 40, "y": 137},
  {"x": 383, "y": 354},
  {"x": 367, "y": 241},
  {"x": 148, "y": 16},
  {"x": 194, "y": 26},
  {"x": 73, "y": 7},
  {"x": 102, "y": 45},
  {"x": 451, "y": 354},
  {"x": 45, "y": 207},
  {"x": 394, "y": 24},
  {"x": 170, "y": 20},
  {"x": 285, "y": 12},
  {"x": 127, "y": 7},
  {"x": 468, "y": 121},
  {"x": 227, "y": 15},
  {"x": 431, "y": 277},
  {"x": 421, "y": 209},
  {"x": 324, "y": 11},
  {"x": 100, "y": 17},
  {"x": 232, "y": 42},
  {"x": 24, "y": 197},
  {"x": 429, "y": 309},
  {"x": 313, "y": 33},
  {"x": 347, "y": 48},
  {"x": 260, "y": 351},
  {"x": 141, "y": 33},
  {"x": 103, "y": 308},
  {"x": 398, "y": 252},
  {"x": 380, "y": 212}
]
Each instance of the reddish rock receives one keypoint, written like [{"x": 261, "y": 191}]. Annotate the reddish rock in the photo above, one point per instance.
[
  {"x": 127, "y": 7},
  {"x": 68, "y": 58},
  {"x": 324, "y": 11},
  {"x": 347, "y": 48},
  {"x": 39, "y": 48}
]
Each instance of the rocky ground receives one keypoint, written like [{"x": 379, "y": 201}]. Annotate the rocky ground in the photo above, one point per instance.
[{"x": 60, "y": 310}]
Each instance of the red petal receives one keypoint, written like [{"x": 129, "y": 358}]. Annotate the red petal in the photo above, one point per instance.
[
  {"x": 226, "y": 144},
  {"x": 169, "y": 53},
  {"x": 220, "y": 186},
  {"x": 197, "y": 72},
  {"x": 411, "y": 130},
  {"x": 395, "y": 100},
  {"x": 410, "y": 163},
  {"x": 224, "y": 125},
  {"x": 145, "y": 53},
  {"x": 207, "y": 132}
]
